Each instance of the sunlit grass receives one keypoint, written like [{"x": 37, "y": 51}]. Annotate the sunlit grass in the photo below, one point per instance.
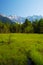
[{"x": 21, "y": 47}]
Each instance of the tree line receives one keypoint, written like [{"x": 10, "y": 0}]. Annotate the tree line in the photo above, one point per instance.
[{"x": 26, "y": 27}]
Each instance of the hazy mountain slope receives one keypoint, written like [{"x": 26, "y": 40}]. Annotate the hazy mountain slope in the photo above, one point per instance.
[
  {"x": 18, "y": 18},
  {"x": 4, "y": 19}
]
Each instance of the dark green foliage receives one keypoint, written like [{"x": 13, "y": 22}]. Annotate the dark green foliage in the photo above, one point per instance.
[
  {"x": 4, "y": 27},
  {"x": 27, "y": 27},
  {"x": 35, "y": 26},
  {"x": 40, "y": 26}
]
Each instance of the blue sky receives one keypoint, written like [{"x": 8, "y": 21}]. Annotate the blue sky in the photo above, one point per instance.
[{"x": 21, "y": 7}]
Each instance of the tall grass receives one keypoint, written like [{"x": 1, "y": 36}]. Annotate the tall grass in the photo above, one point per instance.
[{"x": 21, "y": 49}]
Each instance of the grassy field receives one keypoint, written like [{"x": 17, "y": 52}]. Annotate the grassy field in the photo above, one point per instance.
[{"x": 21, "y": 49}]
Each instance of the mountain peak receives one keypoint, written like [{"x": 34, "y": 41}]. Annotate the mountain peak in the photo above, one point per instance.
[{"x": 20, "y": 19}]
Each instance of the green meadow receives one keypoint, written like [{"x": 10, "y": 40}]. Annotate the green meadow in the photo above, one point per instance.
[{"x": 21, "y": 49}]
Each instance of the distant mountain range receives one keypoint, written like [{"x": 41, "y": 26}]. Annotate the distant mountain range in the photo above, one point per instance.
[
  {"x": 4, "y": 19},
  {"x": 34, "y": 17},
  {"x": 19, "y": 19}
]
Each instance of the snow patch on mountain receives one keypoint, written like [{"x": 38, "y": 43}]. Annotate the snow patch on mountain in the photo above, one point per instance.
[{"x": 20, "y": 19}]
